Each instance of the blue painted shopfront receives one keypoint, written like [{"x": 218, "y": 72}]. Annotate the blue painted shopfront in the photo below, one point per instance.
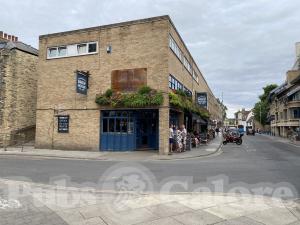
[{"x": 129, "y": 130}]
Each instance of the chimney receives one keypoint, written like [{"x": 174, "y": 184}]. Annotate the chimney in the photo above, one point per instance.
[
  {"x": 9, "y": 37},
  {"x": 16, "y": 39},
  {"x": 12, "y": 38},
  {"x": 5, "y": 36},
  {"x": 1, "y": 34}
]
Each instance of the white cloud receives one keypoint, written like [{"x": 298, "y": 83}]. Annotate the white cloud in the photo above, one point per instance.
[{"x": 240, "y": 46}]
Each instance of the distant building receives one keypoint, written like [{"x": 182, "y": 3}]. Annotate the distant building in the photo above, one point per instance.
[
  {"x": 284, "y": 112},
  {"x": 18, "y": 86},
  {"x": 229, "y": 122},
  {"x": 241, "y": 117}
]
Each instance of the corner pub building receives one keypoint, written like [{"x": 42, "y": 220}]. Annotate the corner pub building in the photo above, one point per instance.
[{"x": 76, "y": 66}]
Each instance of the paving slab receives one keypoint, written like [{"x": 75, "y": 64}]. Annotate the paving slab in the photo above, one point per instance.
[
  {"x": 169, "y": 209},
  {"x": 240, "y": 221},
  {"x": 128, "y": 217},
  {"x": 274, "y": 216},
  {"x": 163, "y": 221},
  {"x": 198, "y": 217}
]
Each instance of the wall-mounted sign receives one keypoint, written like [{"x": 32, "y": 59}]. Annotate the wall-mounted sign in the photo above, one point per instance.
[
  {"x": 201, "y": 99},
  {"x": 63, "y": 124},
  {"x": 82, "y": 82}
]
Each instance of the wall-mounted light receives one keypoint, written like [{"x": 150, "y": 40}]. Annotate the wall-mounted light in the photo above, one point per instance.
[{"x": 108, "y": 49}]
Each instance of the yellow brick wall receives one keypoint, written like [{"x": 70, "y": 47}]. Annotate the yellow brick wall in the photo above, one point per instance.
[
  {"x": 18, "y": 93},
  {"x": 141, "y": 45}
]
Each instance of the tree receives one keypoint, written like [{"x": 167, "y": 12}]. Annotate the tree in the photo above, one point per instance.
[{"x": 262, "y": 107}]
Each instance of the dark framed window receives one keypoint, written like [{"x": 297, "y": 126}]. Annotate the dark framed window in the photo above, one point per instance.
[
  {"x": 92, "y": 47},
  {"x": 117, "y": 121},
  {"x": 105, "y": 125},
  {"x": 295, "y": 113}
]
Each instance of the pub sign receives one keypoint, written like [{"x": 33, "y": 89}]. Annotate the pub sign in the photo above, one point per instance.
[
  {"x": 201, "y": 99},
  {"x": 82, "y": 82},
  {"x": 63, "y": 124}
]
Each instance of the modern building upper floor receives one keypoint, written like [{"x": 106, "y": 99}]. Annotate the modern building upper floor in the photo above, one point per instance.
[{"x": 147, "y": 51}]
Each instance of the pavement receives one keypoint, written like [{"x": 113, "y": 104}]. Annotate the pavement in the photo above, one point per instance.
[
  {"x": 57, "y": 205},
  {"x": 29, "y": 150},
  {"x": 255, "y": 183},
  {"x": 282, "y": 140}
]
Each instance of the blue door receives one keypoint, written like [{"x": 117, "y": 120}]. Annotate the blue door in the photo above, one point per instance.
[
  {"x": 117, "y": 131},
  {"x": 147, "y": 129}
]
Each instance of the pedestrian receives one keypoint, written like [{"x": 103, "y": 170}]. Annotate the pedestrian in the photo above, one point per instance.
[
  {"x": 178, "y": 139},
  {"x": 171, "y": 139},
  {"x": 184, "y": 137}
]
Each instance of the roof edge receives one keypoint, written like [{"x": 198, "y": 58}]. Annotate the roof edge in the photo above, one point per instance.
[{"x": 138, "y": 21}]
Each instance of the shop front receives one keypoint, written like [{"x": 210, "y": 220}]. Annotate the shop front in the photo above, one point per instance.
[{"x": 129, "y": 130}]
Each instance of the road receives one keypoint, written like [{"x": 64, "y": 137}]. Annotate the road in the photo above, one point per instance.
[{"x": 259, "y": 163}]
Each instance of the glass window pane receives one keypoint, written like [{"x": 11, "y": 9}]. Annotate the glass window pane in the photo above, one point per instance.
[
  {"x": 124, "y": 125},
  {"x": 118, "y": 125},
  {"x": 112, "y": 113},
  {"x": 52, "y": 52},
  {"x": 62, "y": 51},
  {"x": 92, "y": 47},
  {"x": 105, "y": 114},
  {"x": 104, "y": 125},
  {"x": 130, "y": 126},
  {"x": 81, "y": 48},
  {"x": 111, "y": 125}
]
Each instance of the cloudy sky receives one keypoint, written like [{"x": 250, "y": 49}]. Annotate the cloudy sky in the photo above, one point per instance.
[{"x": 239, "y": 45}]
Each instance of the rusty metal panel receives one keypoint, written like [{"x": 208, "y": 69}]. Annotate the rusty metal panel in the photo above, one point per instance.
[{"x": 128, "y": 80}]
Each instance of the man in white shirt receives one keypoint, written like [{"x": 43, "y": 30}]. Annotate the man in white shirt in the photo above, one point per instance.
[
  {"x": 184, "y": 136},
  {"x": 171, "y": 139}
]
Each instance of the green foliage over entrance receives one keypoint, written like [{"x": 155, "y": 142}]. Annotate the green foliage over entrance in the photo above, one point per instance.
[
  {"x": 145, "y": 96},
  {"x": 180, "y": 100}
]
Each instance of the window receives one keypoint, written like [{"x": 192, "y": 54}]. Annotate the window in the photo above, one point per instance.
[
  {"x": 62, "y": 51},
  {"x": 187, "y": 91},
  {"x": 296, "y": 96},
  {"x": 72, "y": 50},
  {"x": 52, "y": 52},
  {"x": 117, "y": 122},
  {"x": 295, "y": 113},
  {"x": 174, "y": 84},
  {"x": 92, "y": 47},
  {"x": 195, "y": 76},
  {"x": 81, "y": 49},
  {"x": 173, "y": 45},
  {"x": 187, "y": 65},
  {"x": 104, "y": 125}
]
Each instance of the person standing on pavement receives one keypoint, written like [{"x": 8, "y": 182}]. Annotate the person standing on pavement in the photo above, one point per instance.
[
  {"x": 184, "y": 137},
  {"x": 171, "y": 139}
]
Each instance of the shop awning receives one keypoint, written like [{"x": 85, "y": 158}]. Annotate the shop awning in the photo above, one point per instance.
[{"x": 293, "y": 91}]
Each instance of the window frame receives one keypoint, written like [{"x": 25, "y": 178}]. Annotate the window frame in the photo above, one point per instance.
[{"x": 57, "y": 56}]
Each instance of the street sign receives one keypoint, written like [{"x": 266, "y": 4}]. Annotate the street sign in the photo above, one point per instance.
[
  {"x": 82, "y": 82},
  {"x": 201, "y": 99},
  {"x": 63, "y": 124}
]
